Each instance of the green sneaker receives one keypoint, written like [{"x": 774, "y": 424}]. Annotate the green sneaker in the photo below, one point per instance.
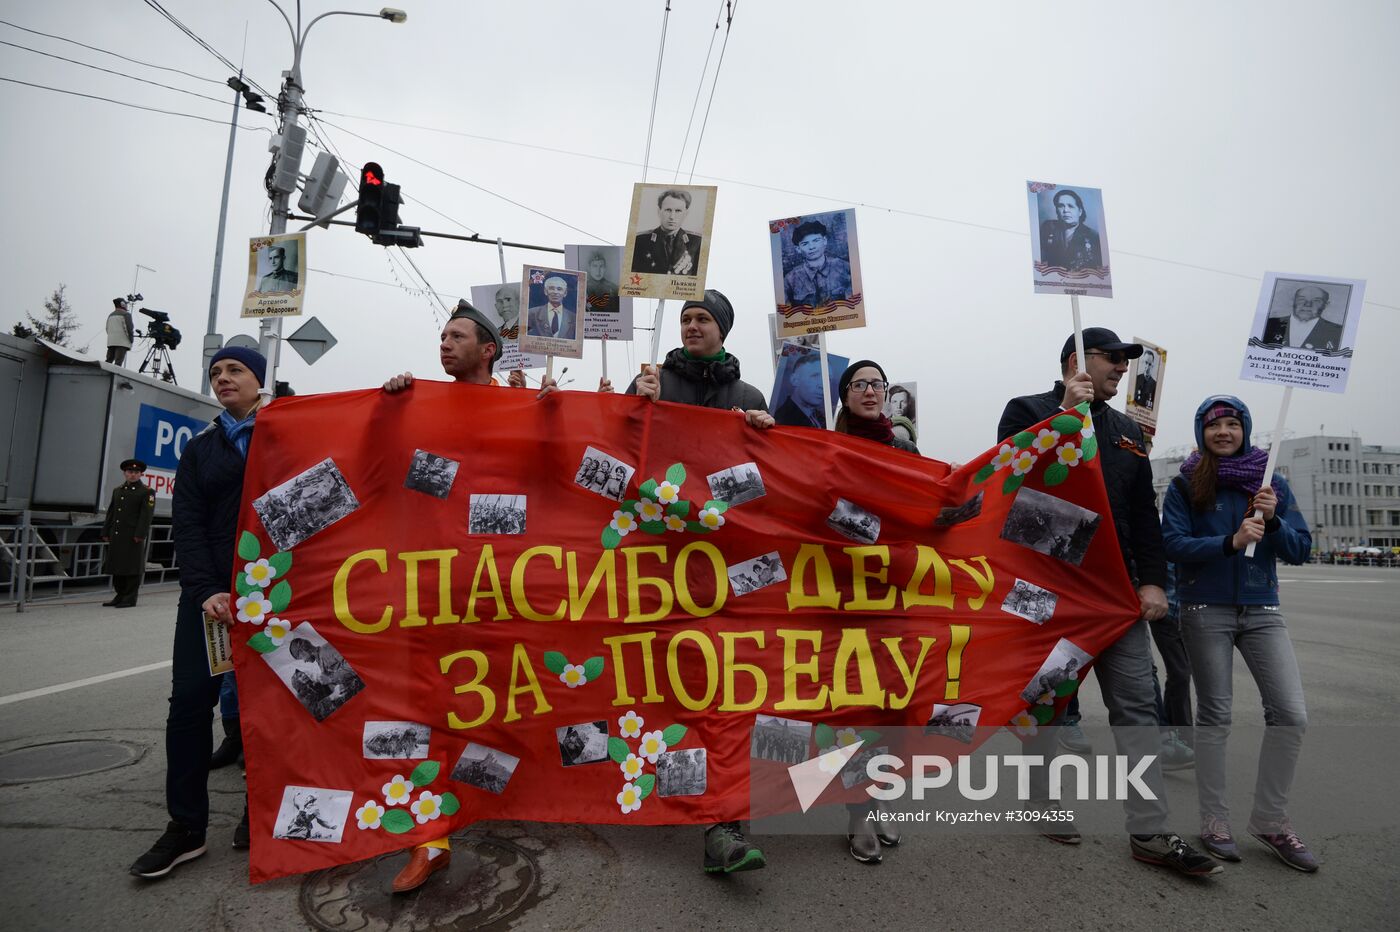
[{"x": 727, "y": 850}]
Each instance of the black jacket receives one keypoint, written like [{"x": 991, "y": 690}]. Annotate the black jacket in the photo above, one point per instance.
[
  {"x": 1127, "y": 475},
  {"x": 689, "y": 381},
  {"x": 207, "y": 497}
]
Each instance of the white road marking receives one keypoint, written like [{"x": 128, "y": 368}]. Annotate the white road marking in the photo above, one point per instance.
[
  {"x": 77, "y": 684},
  {"x": 1332, "y": 582}
]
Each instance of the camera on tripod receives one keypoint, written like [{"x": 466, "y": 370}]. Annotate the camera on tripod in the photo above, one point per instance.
[{"x": 161, "y": 331}]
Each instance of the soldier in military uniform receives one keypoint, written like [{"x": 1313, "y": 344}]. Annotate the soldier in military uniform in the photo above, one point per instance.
[
  {"x": 125, "y": 530},
  {"x": 668, "y": 249},
  {"x": 280, "y": 278}
]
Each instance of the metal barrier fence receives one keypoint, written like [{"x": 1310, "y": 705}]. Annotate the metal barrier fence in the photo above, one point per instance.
[{"x": 42, "y": 560}]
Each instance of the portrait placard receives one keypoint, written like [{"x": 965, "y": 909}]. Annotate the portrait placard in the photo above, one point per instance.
[
  {"x": 501, "y": 303},
  {"x": 609, "y": 314},
  {"x": 1145, "y": 377},
  {"x": 555, "y": 311},
  {"x": 902, "y": 410},
  {"x": 804, "y": 339},
  {"x": 1069, "y": 240},
  {"x": 1304, "y": 330},
  {"x": 276, "y": 276},
  {"x": 797, "y": 390},
  {"x": 668, "y": 241},
  {"x": 816, "y": 273}
]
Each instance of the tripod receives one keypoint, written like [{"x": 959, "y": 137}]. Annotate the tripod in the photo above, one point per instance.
[{"x": 158, "y": 358}]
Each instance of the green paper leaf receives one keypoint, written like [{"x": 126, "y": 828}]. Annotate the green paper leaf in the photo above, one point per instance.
[
  {"x": 648, "y": 489},
  {"x": 629, "y": 506},
  {"x": 450, "y": 804},
  {"x": 870, "y": 737},
  {"x": 1011, "y": 484},
  {"x": 424, "y": 773},
  {"x": 396, "y": 821},
  {"x": 984, "y": 473},
  {"x": 680, "y": 508},
  {"x": 611, "y": 539},
  {"x": 825, "y": 736},
  {"x": 248, "y": 546},
  {"x": 1056, "y": 473},
  {"x": 1090, "y": 447},
  {"x": 262, "y": 643},
  {"x": 1082, "y": 408},
  {"x": 593, "y": 668},
  {"x": 280, "y": 597},
  {"x": 719, "y": 506},
  {"x": 618, "y": 749},
  {"x": 240, "y": 582},
  {"x": 645, "y": 783},
  {"x": 1066, "y": 687},
  {"x": 652, "y": 527},
  {"x": 1067, "y": 424},
  {"x": 555, "y": 662},
  {"x": 676, "y": 474},
  {"x": 1023, "y": 439},
  {"x": 673, "y": 735},
  {"x": 281, "y": 561},
  {"x": 695, "y": 527},
  {"x": 1043, "y": 713}
]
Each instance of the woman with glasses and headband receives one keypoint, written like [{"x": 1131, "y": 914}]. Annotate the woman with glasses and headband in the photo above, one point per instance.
[
  {"x": 1229, "y": 602},
  {"x": 862, "y": 389}
]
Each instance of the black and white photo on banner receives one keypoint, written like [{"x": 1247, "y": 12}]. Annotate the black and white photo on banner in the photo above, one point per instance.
[
  {"x": 785, "y": 740},
  {"x": 1029, "y": 601},
  {"x": 501, "y": 303},
  {"x": 431, "y": 473},
  {"x": 957, "y": 514},
  {"x": 496, "y": 513},
  {"x": 856, "y": 770},
  {"x": 609, "y": 314},
  {"x": 311, "y": 813},
  {"x": 957, "y": 721},
  {"x": 682, "y": 773},
  {"x": 1050, "y": 525},
  {"x": 1069, "y": 240},
  {"x": 737, "y": 484},
  {"x": 668, "y": 241},
  {"x": 320, "y": 678},
  {"x": 1066, "y": 662},
  {"x": 603, "y": 474},
  {"x": 485, "y": 768},
  {"x": 555, "y": 308},
  {"x": 851, "y": 520},
  {"x": 752, "y": 575},
  {"x": 1304, "y": 331},
  {"x": 816, "y": 272},
  {"x": 305, "y": 504},
  {"x": 408, "y": 740},
  {"x": 584, "y": 743}
]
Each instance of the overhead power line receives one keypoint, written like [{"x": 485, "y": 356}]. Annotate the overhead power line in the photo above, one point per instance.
[
  {"x": 699, "y": 86},
  {"x": 729, "y": 24},
  {"x": 656, "y": 86},
  {"x": 123, "y": 103},
  {"x": 223, "y": 59},
  {"x": 134, "y": 61}
]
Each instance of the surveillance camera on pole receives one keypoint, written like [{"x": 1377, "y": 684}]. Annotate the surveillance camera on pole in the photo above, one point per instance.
[{"x": 321, "y": 193}]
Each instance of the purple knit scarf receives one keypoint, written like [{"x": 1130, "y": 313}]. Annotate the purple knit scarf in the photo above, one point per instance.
[{"x": 1244, "y": 471}]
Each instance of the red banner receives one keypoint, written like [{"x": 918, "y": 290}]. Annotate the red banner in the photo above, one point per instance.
[{"x": 460, "y": 603}]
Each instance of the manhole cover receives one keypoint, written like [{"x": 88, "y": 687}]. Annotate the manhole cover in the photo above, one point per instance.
[
  {"x": 489, "y": 879},
  {"x": 59, "y": 759}
]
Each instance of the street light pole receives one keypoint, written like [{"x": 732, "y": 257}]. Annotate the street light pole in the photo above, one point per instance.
[
  {"x": 219, "y": 246},
  {"x": 289, "y": 111}
]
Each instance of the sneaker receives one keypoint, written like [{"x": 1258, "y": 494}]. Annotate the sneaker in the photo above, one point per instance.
[
  {"x": 176, "y": 846},
  {"x": 1172, "y": 851},
  {"x": 1055, "y": 827},
  {"x": 242, "y": 837},
  {"x": 1218, "y": 841},
  {"x": 1176, "y": 754},
  {"x": 1289, "y": 848},
  {"x": 1072, "y": 737},
  {"x": 728, "y": 851}
]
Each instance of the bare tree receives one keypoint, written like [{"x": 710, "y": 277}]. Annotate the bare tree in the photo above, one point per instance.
[{"x": 58, "y": 319}]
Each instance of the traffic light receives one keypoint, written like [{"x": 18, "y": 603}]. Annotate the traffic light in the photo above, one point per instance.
[
  {"x": 378, "y": 214},
  {"x": 367, "y": 214}
]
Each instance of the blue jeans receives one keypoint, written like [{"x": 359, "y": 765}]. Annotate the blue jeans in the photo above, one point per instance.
[
  {"x": 228, "y": 696},
  {"x": 1212, "y": 633},
  {"x": 1124, "y": 669}
]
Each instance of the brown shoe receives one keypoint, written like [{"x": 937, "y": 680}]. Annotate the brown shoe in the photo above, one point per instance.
[{"x": 419, "y": 869}]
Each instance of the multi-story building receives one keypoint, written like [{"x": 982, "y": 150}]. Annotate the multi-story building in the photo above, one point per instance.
[{"x": 1348, "y": 491}]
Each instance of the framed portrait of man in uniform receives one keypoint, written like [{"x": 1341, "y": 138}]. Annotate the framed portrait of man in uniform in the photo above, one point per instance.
[
  {"x": 816, "y": 273},
  {"x": 1069, "y": 240},
  {"x": 609, "y": 314},
  {"x": 1146, "y": 375},
  {"x": 501, "y": 303},
  {"x": 553, "y": 319},
  {"x": 668, "y": 241},
  {"x": 276, "y": 276}
]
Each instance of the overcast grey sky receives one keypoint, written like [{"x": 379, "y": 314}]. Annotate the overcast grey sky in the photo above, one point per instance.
[{"x": 1229, "y": 139}]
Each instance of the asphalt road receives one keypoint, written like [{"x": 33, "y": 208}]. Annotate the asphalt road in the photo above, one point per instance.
[{"x": 65, "y": 844}]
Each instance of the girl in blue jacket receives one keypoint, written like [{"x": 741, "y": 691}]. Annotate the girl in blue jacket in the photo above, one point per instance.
[{"x": 1230, "y": 601}]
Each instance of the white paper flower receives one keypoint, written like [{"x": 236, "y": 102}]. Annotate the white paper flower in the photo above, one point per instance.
[
  {"x": 1023, "y": 462},
  {"x": 675, "y": 523},
  {"x": 573, "y": 675},
  {"x": 1069, "y": 454},
  {"x": 427, "y": 807},
  {"x": 277, "y": 630},
  {"x": 710, "y": 518},
  {"x": 647, "y": 510},
  {"x": 397, "y": 792},
  {"x": 253, "y": 607},
  {"x": 259, "y": 574},
  {"x": 1046, "y": 698},
  {"x": 668, "y": 494},
  {"x": 623, "y": 522},
  {"x": 1004, "y": 456},
  {"x": 1024, "y": 723},
  {"x": 1088, "y": 430},
  {"x": 653, "y": 746},
  {"x": 632, "y": 767},
  {"x": 846, "y": 737},
  {"x": 1045, "y": 440},
  {"x": 630, "y": 725},
  {"x": 369, "y": 814},
  {"x": 630, "y": 799}
]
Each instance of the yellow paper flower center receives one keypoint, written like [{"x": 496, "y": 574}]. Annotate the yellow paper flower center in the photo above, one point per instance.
[
  {"x": 397, "y": 790},
  {"x": 628, "y": 797},
  {"x": 571, "y": 676},
  {"x": 426, "y": 807}
]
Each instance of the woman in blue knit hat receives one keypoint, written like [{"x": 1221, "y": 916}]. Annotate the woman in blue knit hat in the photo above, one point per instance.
[
  {"x": 208, "y": 494},
  {"x": 1229, "y": 602}
]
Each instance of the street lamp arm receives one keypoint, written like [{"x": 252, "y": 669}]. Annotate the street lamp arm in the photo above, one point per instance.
[
  {"x": 290, "y": 29},
  {"x": 296, "y": 64}
]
